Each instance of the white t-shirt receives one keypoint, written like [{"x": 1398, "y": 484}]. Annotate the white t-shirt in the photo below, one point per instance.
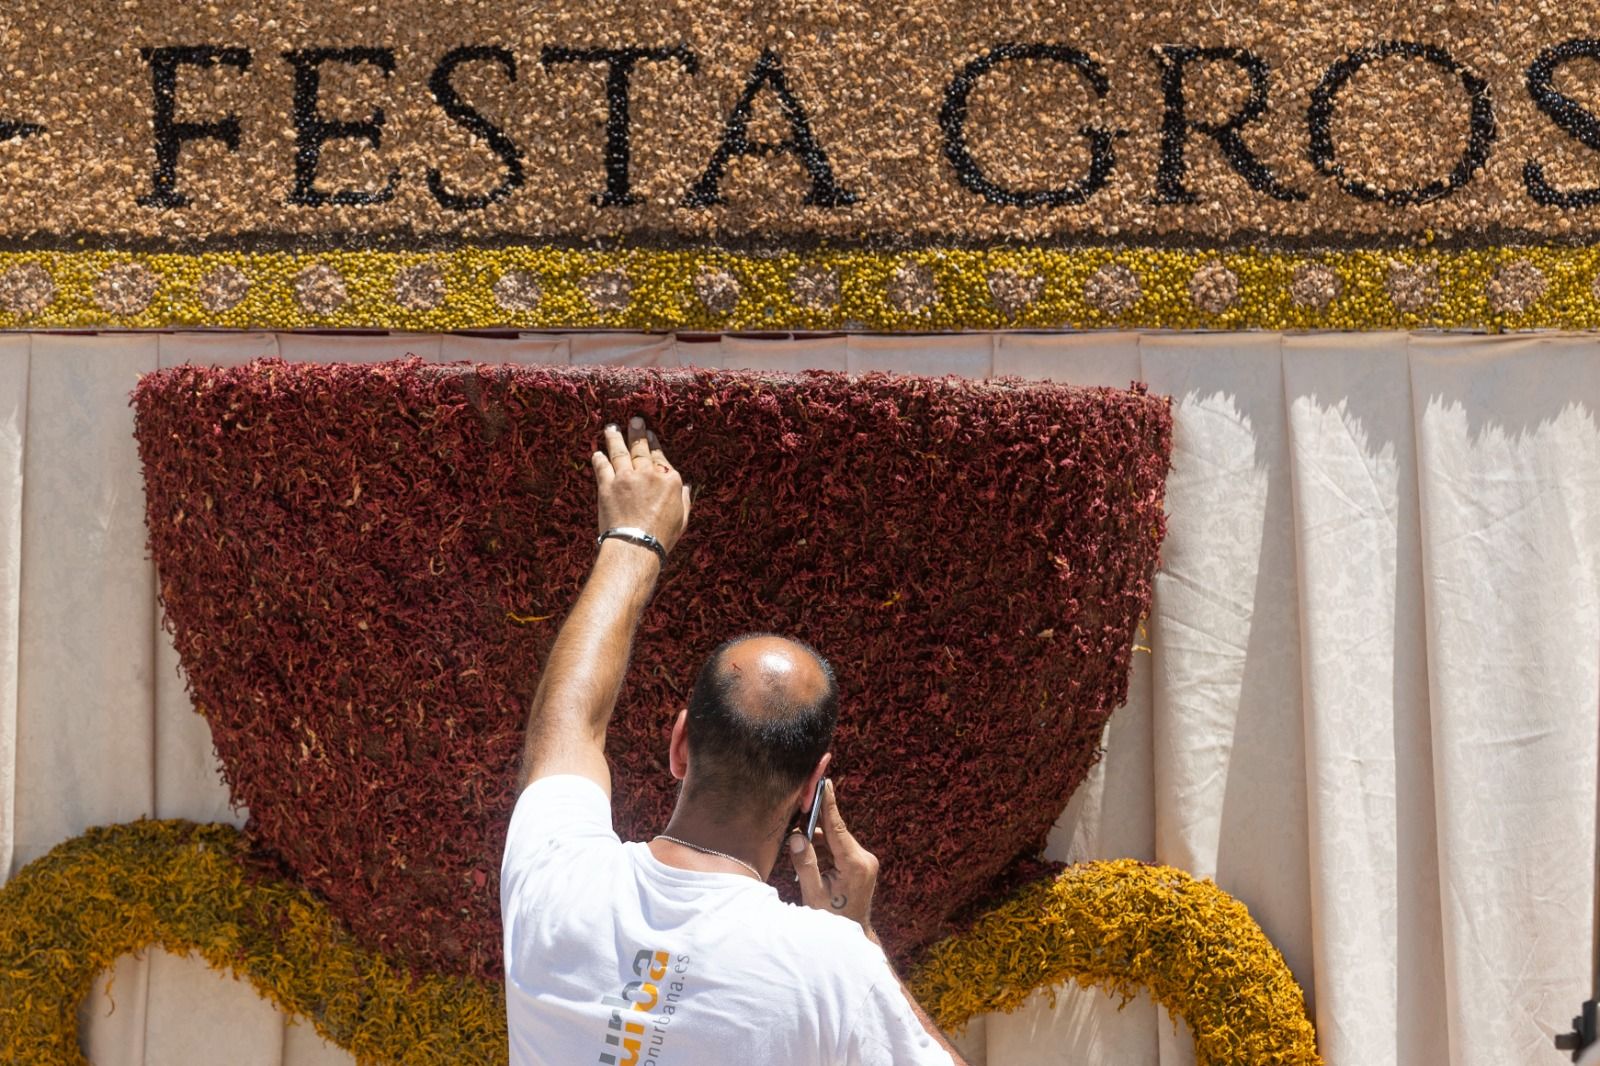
[{"x": 616, "y": 959}]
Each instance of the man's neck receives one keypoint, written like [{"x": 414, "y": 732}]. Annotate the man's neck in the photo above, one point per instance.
[{"x": 755, "y": 843}]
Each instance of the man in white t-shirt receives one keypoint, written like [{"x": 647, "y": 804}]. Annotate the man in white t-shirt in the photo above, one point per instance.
[{"x": 677, "y": 952}]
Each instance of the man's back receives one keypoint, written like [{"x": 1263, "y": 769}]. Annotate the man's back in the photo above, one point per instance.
[{"x": 616, "y": 958}]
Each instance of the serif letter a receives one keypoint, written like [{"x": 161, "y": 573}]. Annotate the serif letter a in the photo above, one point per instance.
[{"x": 768, "y": 73}]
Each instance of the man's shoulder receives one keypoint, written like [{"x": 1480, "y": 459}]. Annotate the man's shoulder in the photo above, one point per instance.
[
  {"x": 806, "y": 932},
  {"x": 559, "y": 806}
]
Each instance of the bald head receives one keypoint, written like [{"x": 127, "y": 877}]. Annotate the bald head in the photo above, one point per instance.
[
  {"x": 760, "y": 716},
  {"x": 769, "y": 675}
]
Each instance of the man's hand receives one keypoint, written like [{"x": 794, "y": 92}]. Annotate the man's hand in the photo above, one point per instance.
[
  {"x": 638, "y": 487},
  {"x": 846, "y": 888}
]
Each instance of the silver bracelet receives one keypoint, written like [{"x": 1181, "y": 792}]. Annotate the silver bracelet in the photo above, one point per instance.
[{"x": 635, "y": 535}]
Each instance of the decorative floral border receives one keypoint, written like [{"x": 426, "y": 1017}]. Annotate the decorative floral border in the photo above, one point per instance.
[
  {"x": 117, "y": 890},
  {"x": 941, "y": 289},
  {"x": 1129, "y": 927},
  {"x": 189, "y": 888}
]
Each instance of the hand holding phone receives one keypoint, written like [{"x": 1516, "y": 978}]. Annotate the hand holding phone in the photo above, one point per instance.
[
  {"x": 847, "y": 888},
  {"x": 816, "y": 809}
]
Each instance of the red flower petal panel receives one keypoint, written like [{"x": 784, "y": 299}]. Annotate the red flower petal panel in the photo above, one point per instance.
[{"x": 364, "y": 567}]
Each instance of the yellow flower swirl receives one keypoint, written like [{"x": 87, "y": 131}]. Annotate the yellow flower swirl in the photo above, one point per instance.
[
  {"x": 186, "y": 887},
  {"x": 190, "y": 888},
  {"x": 1127, "y": 926}
]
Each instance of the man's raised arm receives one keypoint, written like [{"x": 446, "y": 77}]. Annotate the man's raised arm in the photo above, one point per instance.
[{"x": 638, "y": 490}]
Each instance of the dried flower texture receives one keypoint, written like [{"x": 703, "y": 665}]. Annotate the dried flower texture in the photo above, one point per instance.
[
  {"x": 117, "y": 890},
  {"x": 319, "y": 290},
  {"x": 1315, "y": 286},
  {"x": 1214, "y": 288},
  {"x": 363, "y": 609},
  {"x": 1025, "y": 287},
  {"x": 193, "y": 889},
  {"x": 125, "y": 289},
  {"x": 912, "y": 288},
  {"x": 223, "y": 287},
  {"x": 420, "y": 287},
  {"x": 26, "y": 289},
  {"x": 1204, "y": 959},
  {"x": 1013, "y": 291},
  {"x": 517, "y": 290},
  {"x": 1113, "y": 289},
  {"x": 1516, "y": 287},
  {"x": 717, "y": 289},
  {"x": 1149, "y": 123},
  {"x": 816, "y": 288},
  {"x": 1413, "y": 286},
  {"x": 609, "y": 290}
]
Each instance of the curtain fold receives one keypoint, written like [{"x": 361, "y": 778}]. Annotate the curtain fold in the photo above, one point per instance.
[
  {"x": 13, "y": 431},
  {"x": 1374, "y": 874},
  {"x": 1368, "y": 707},
  {"x": 1510, "y": 507}
]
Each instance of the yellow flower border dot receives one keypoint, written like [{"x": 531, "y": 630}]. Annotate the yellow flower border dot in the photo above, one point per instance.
[
  {"x": 537, "y": 287},
  {"x": 1129, "y": 927}
]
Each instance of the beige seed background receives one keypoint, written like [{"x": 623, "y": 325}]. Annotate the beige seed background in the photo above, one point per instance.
[{"x": 871, "y": 75}]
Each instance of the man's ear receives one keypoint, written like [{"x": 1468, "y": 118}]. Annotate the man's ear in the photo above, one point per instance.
[
  {"x": 678, "y": 750},
  {"x": 802, "y": 799}
]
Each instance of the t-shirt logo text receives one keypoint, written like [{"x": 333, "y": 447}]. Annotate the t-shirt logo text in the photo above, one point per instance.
[{"x": 639, "y": 996}]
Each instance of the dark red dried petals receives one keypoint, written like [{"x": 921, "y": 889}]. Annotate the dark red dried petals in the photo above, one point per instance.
[{"x": 363, "y": 568}]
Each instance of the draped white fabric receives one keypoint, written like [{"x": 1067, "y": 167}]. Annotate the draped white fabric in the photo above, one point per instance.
[{"x": 1369, "y": 710}]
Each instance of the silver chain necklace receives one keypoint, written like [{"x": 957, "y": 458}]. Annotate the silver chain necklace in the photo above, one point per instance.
[{"x": 712, "y": 851}]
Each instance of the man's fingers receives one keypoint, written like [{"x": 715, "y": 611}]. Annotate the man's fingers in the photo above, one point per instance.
[
  {"x": 638, "y": 443},
  {"x": 604, "y": 472},
  {"x": 616, "y": 447},
  {"x": 846, "y": 889},
  {"x": 656, "y": 452},
  {"x": 833, "y": 821},
  {"x": 812, "y": 890}
]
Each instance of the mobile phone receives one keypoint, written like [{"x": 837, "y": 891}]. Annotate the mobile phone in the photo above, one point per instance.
[{"x": 816, "y": 809}]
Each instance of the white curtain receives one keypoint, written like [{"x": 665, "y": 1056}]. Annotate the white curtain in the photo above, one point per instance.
[{"x": 1369, "y": 710}]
